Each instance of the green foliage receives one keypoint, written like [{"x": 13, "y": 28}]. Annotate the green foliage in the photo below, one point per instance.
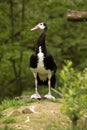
[
  {"x": 65, "y": 39},
  {"x": 12, "y": 56},
  {"x": 74, "y": 90},
  {"x": 9, "y": 120},
  {"x": 1, "y": 115},
  {"x": 13, "y": 103}
]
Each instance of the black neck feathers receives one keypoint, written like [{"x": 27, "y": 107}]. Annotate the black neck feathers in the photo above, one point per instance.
[{"x": 41, "y": 42}]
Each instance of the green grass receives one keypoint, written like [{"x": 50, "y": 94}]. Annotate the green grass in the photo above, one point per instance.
[
  {"x": 17, "y": 103},
  {"x": 42, "y": 90},
  {"x": 54, "y": 126},
  {"x": 7, "y": 128},
  {"x": 14, "y": 103},
  {"x": 9, "y": 120},
  {"x": 44, "y": 119}
]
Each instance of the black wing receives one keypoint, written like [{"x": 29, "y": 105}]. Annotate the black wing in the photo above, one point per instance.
[
  {"x": 33, "y": 61},
  {"x": 49, "y": 63}
]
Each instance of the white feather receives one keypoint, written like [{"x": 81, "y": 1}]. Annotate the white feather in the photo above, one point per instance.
[{"x": 43, "y": 73}]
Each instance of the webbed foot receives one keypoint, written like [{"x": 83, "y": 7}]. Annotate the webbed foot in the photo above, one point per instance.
[
  {"x": 49, "y": 96},
  {"x": 35, "y": 96}
]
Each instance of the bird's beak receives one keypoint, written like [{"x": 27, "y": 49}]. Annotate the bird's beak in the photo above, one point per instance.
[{"x": 35, "y": 28}]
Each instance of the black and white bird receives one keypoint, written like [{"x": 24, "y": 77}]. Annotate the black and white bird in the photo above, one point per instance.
[{"x": 42, "y": 64}]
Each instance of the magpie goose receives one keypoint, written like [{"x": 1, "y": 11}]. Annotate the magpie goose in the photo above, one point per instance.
[{"x": 42, "y": 64}]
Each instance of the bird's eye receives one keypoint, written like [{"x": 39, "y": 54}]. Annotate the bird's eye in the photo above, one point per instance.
[{"x": 41, "y": 24}]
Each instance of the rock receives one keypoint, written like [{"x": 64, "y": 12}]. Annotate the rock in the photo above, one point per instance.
[
  {"x": 18, "y": 127},
  {"x": 15, "y": 113},
  {"x": 27, "y": 111}
]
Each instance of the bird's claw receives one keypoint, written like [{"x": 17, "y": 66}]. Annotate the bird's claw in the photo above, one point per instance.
[
  {"x": 49, "y": 96},
  {"x": 35, "y": 96}
]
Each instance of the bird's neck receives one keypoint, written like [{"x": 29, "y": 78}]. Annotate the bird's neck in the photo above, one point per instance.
[{"x": 41, "y": 42}]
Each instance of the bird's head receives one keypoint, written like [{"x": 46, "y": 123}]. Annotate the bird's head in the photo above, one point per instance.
[{"x": 40, "y": 26}]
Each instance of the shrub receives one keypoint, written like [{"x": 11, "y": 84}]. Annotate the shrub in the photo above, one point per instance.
[{"x": 74, "y": 90}]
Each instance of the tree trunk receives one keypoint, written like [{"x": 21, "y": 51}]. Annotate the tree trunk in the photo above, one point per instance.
[
  {"x": 17, "y": 74},
  {"x": 12, "y": 19},
  {"x": 74, "y": 122},
  {"x": 17, "y": 78},
  {"x": 23, "y": 13},
  {"x": 85, "y": 123},
  {"x": 76, "y": 15},
  {"x": 74, "y": 125}
]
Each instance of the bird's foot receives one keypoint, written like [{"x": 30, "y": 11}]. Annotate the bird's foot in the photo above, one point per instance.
[
  {"x": 35, "y": 96},
  {"x": 49, "y": 96}
]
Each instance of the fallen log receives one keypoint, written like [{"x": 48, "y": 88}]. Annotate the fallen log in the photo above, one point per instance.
[{"x": 76, "y": 15}]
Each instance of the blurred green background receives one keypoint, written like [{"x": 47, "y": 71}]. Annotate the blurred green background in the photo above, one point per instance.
[{"x": 66, "y": 40}]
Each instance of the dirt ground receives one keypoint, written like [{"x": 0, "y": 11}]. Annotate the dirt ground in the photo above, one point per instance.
[{"x": 35, "y": 116}]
